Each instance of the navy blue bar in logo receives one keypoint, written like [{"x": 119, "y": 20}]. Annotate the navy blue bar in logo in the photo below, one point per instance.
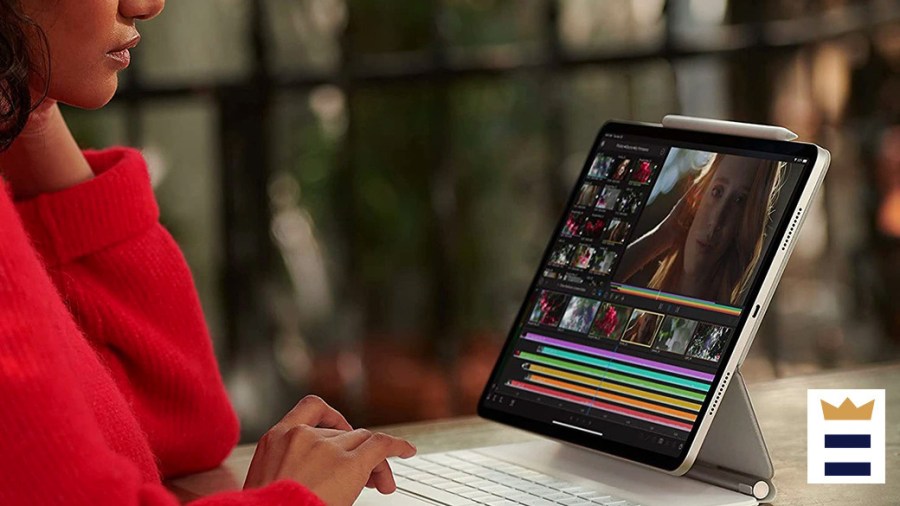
[
  {"x": 848, "y": 469},
  {"x": 848, "y": 441}
]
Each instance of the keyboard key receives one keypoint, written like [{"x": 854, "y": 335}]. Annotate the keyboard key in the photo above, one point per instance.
[
  {"x": 499, "y": 501},
  {"x": 538, "y": 501}
]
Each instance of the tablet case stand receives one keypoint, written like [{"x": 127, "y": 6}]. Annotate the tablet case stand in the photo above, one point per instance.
[{"x": 734, "y": 453}]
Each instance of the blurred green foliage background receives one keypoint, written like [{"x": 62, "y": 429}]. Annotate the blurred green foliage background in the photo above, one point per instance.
[{"x": 363, "y": 189}]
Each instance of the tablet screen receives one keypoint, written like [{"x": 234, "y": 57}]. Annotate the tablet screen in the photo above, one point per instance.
[{"x": 643, "y": 288}]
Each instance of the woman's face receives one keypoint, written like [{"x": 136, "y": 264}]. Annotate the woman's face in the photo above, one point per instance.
[
  {"x": 718, "y": 214},
  {"x": 88, "y": 42}
]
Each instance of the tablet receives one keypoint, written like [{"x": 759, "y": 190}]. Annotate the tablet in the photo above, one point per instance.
[{"x": 651, "y": 289}]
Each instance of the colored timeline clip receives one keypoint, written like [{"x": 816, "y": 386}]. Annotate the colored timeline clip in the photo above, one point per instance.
[{"x": 671, "y": 298}]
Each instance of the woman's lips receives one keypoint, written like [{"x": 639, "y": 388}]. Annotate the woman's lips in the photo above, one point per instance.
[
  {"x": 123, "y": 57},
  {"x": 704, "y": 246},
  {"x": 121, "y": 54}
]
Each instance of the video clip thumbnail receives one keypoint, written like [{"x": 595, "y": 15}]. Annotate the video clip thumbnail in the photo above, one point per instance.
[
  {"x": 603, "y": 262},
  {"x": 621, "y": 170},
  {"x": 572, "y": 227},
  {"x": 562, "y": 255},
  {"x": 583, "y": 256},
  {"x": 610, "y": 321},
  {"x": 617, "y": 231},
  {"x": 643, "y": 172},
  {"x": 608, "y": 197},
  {"x": 629, "y": 201},
  {"x": 601, "y": 167},
  {"x": 675, "y": 335},
  {"x": 588, "y": 195},
  {"x": 642, "y": 327},
  {"x": 709, "y": 342},
  {"x": 592, "y": 229},
  {"x": 549, "y": 308},
  {"x": 579, "y": 314}
]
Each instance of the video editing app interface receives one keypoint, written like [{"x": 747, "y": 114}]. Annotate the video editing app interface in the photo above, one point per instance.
[{"x": 643, "y": 289}]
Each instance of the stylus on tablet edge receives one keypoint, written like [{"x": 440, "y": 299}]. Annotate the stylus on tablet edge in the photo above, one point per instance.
[
  {"x": 730, "y": 480},
  {"x": 728, "y": 127}
]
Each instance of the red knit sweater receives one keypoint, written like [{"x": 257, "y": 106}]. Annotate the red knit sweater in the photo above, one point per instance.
[{"x": 108, "y": 382}]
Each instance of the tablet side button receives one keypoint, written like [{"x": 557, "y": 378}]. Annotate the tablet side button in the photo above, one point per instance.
[{"x": 755, "y": 311}]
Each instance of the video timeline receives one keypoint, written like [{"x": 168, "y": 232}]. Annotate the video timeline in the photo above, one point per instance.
[{"x": 609, "y": 376}]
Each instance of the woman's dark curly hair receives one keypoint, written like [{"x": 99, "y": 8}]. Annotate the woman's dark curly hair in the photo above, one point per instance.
[{"x": 17, "y": 69}]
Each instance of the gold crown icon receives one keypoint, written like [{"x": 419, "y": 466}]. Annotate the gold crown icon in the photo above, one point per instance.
[{"x": 848, "y": 410}]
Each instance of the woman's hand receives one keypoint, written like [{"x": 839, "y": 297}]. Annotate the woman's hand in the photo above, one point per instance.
[{"x": 315, "y": 446}]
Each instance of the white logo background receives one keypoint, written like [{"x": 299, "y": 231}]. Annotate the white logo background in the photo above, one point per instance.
[{"x": 817, "y": 427}]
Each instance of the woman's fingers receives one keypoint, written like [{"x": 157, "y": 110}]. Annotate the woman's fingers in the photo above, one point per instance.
[
  {"x": 380, "y": 447},
  {"x": 381, "y": 476},
  {"x": 329, "y": 433},
  {"x": 313, "y": 411},
  {"x": 351, "y": 440}
]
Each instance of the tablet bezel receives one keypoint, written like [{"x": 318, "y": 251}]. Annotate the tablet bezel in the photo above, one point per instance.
[{"x": 736, "y": 347}]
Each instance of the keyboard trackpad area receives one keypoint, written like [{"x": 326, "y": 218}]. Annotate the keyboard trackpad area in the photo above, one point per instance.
[{"x": 371, "y": 497}]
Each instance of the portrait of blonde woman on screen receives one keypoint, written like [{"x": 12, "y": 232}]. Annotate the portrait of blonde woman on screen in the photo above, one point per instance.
[{"x": 710, "y": 243}]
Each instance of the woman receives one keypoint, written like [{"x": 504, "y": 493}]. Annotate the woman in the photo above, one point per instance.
[
  {"x": 711, "y": 241},
  {"x": 107, "y": 377}
]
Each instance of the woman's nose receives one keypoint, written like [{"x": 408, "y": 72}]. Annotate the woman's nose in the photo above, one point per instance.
[
  {"x": 141, "y": 9},
  {"x": 717, "y": 220}
]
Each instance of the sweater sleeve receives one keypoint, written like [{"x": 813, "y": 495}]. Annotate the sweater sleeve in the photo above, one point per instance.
[
  {"x": 129, "y": 288},
  {"x": 54, "y": 451}
]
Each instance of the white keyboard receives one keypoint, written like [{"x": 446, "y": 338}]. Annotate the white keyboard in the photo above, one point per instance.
[{"x": 467, "y": 478}]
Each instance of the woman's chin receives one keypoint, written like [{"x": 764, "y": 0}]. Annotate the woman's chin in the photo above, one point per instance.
[{"x": 90, "y": 97}]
